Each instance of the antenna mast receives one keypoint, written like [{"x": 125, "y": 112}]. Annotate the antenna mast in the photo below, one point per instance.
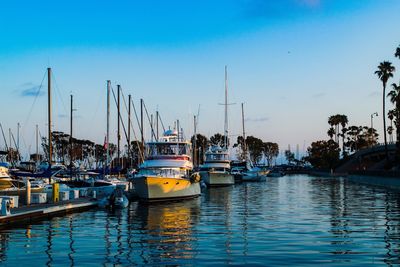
[
  {"x": 226, "y": 108},
  {"x": 108, "y": 122},
  {"x": 244, "y": 136},
  {"x": 49, "y": 118}
]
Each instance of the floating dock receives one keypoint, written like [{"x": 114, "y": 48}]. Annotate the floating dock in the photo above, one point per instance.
[{"x": 37, "y": 212}]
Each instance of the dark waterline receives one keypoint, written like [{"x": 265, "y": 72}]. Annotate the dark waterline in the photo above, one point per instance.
[{"x": 292, "y": 220}]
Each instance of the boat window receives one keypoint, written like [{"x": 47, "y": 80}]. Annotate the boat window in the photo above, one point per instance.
[
  {"x": 168, "y": 149},
  {"x": 164, "y": 172},
  {"x": 216, "y": 157}
]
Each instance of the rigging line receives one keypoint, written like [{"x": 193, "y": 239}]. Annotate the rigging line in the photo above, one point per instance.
[
  {"x": 24, "y": 143},
  {"x": 17, "y": 148},
  {"x": 126, "y": 109},
  {"x": 140, "y": 128},
  {"x": 119, "y": 116},
  {"x": 59, "y": 93},
  {"x": 137, "y": 118},
  {"x": 162, "y": 124},
  {"x": 133, "y": 129},
  {"x": 4, "y": 137},
  {"x": 34, "y": 101},
  {"x": 148, "y": 118}
]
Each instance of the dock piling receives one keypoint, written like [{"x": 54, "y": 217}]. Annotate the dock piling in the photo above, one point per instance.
[{"x": 28, "y": 191}]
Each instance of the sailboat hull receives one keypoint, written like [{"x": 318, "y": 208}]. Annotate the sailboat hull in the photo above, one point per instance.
[
  {"x": 217, "y": 178},
  {"x": 153, "y": 188}
]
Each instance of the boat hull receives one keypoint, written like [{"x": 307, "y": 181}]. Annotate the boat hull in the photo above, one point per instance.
[
  {"x": 155, "y": 188},
  {"x": 276, "y": 174},
  {"x": 254, "y": 178},
  {"x": 217, "y": 178}
]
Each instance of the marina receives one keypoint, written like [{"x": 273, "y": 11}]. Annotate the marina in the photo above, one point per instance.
[
  {"x": 124, "y": 142},
  {"x": 292, "y": 220}
]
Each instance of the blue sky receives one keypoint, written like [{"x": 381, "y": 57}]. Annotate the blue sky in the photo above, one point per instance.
[{"x": 293, "y": 62}]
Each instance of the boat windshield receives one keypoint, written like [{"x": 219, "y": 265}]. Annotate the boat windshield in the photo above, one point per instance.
[
  {"x": 157, "y": 149},
  {"x": 216, "y": 169},
  {"x": 213, "y": 156},
  {"x": 164, "y": 172}
]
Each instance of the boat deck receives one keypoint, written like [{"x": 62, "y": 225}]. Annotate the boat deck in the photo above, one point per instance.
[{"x": 37, "y": 212}]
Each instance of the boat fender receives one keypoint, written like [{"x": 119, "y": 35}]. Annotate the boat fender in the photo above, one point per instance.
[{"x": 195, "y": 177}]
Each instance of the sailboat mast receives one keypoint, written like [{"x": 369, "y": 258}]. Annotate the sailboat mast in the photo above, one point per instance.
[
  {"x": 157, "y": 116},
  {"x": 141, "y": 128},
  {"x": 18, "y": 127},
  {"x": 177, "y": 127},
  {"x": 37, "y": 143},
  {"x": 4, "y": 137},
  {"x": 194, "y": 141},
  {"x": 244, "y": 136},
  {"x": 108, "y": 123},
  {"x": 70, "y": 135},
  {"x": 118, "y": 126},
  {"x": 129, "y": 127},
  {"x": 49, "y": 117},
  {"x": 226, "y": 109}
]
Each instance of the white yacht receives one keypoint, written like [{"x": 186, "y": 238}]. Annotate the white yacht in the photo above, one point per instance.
[
  {"x": 166, "y": 172},
  {"x": 216, "y": 168}
]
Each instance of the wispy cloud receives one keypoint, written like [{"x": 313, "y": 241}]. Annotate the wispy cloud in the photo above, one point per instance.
[
  {"x": 374, "y": 94},
  {"x": 28, "y": 84},
  {"x": 279, "y": 8},
  {"x": 318, "y": 95},
  {"x": 260, "y": 119},
  {"x": 30, "y": 90}
]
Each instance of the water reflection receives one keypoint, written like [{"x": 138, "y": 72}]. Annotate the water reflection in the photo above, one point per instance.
[
  {"x": 48, "y": 250},
  {"x": 167, "y": 230},
  {"x": 295, "y": 220},
  {"x": 219, "y": 214},
  {"x": 71, "y": 242},
  {"x": 4, "y": 237},
  {"x": 392, "y": 229}
]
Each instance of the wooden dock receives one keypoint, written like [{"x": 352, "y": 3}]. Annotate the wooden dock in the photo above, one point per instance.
[{"x": 37, "y": 212}]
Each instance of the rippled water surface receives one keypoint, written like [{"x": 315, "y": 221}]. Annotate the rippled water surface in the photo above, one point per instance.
[{"x": 296, "y": 220}]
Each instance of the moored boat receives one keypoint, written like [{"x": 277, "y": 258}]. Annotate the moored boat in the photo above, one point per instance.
[
  {"x": 255, "y": 174},
  {"x": 16, "y": 187},
  {"x": 276, "y": 172},
  {"x": 166, "y": 172},
  {"x": 216, "y": 168}
]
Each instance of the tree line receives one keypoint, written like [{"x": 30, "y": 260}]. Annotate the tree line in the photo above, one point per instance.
[
  {"x": 85, "y": 150},
  {"x": 349, "y": 139},
  {"x": 252, "y": 147}
]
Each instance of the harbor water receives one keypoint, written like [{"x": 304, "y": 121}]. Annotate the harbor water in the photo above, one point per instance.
[{"x": 291, "y": 220}]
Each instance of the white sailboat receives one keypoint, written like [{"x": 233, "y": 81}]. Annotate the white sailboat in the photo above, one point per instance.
[
  {"x": 252, "y": 173},
  {"x": 216, "y": 168}
]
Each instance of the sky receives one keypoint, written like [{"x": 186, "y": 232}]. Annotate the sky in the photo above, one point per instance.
[{"x": 293, "y": 63}]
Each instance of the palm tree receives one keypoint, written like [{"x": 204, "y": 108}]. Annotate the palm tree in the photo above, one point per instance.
[
  {"x": 391, "y": 115},
  {"x": 397, "y": 53},
  {"x": 390, "y": 132},
  {"x": 384, "y": 72},
  {"x": 394, "y": 96},
  {"x": 334, "y": 120},
  {"x": 331, "y": 132},
  {"x": 343, "y": 120}
]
